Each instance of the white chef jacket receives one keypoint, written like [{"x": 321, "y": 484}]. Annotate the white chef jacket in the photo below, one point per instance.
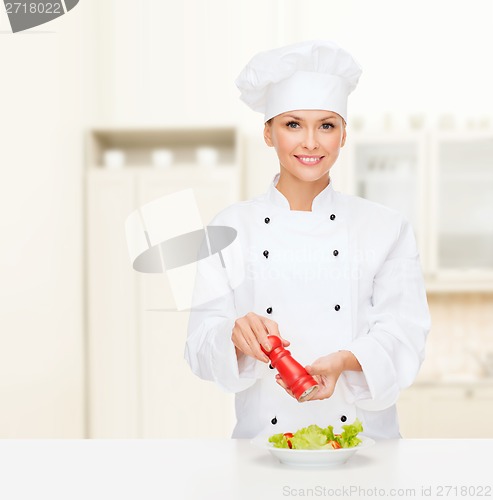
[{"x": 345, "y": 275}]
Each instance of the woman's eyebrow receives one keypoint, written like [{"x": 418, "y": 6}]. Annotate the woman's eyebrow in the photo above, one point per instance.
[{"x": 297, "y": 118}]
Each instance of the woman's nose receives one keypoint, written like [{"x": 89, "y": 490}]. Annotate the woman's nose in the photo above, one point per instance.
[{"x": 310, "y": 141}]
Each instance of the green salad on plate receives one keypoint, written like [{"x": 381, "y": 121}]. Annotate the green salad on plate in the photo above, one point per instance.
[{"x": 314, "y": 437}]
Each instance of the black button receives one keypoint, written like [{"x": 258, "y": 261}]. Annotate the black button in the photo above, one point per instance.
[
  {"x": 337, "y": 307},
  {"x": 270, "y": 366},
  {"x": 336, "y": 253},
  {"x": 267, "y": 220},
  {"x": 343, "y": 418},
  {"x": 274, "y": 421},
  {"x": 269, "y": 310},
  {"x": 332, "y": 216},
  {"x": 266, "y": 254}
]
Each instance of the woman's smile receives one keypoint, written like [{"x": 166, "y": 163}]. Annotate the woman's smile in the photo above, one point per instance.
[
  {"x": 307, "y": 143},
  {"x": 309, "y": 160}
]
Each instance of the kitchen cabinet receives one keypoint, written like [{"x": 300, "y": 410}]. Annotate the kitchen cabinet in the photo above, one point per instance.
[
  {"x": 139, "y": 384},
  {"x": 461, "y": 236},
  {"x": 442, "y": 182},
  {"x": 388, "y": 169},
  {"x": 447, "y": 410}
]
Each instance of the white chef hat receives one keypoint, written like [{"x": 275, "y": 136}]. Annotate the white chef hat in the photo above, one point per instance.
[{"x": 316, "y": 74}]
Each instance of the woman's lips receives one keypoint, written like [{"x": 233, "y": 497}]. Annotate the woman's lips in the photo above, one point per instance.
[{"x": 309, "y": 160}]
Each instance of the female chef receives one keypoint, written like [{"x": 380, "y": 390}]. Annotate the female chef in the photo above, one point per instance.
[{"x": 337, "y": 277}]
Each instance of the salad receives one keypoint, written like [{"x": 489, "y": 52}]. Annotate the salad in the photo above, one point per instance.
[{"x": 314, "y": 437}]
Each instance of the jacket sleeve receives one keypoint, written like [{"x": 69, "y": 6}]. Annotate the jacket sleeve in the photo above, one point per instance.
[
  {"x": 392, "y": 350},
  {"x": 209, "y": 350}
]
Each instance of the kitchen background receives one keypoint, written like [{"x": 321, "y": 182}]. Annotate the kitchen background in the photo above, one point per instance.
[{"x": 119, "y": 102}]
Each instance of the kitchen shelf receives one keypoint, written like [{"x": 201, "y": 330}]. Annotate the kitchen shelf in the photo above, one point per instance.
[{"x": 137, "y": 146}]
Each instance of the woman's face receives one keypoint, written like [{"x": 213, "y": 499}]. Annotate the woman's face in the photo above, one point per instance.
[{"x": 307, "y": 142}]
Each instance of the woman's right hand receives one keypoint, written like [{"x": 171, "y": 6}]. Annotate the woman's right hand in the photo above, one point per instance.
[{"x": 251, "y": 331}]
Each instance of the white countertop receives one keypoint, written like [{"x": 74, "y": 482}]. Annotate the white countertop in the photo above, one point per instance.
[{"x": 231, "y": 469}]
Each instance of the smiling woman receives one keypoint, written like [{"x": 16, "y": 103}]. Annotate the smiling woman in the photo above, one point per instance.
[
  {"x": 357, "y": 326},
  {"x": 307, "y": 144}
]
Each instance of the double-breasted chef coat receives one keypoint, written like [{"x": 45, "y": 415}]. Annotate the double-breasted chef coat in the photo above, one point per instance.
[{"x": 345, "y": 275}]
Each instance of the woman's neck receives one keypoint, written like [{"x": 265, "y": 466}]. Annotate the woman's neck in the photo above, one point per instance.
[{"x": 300, "y": 194}]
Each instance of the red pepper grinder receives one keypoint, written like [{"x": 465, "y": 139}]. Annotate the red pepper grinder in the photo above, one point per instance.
[{"x": 298, "y": 380}]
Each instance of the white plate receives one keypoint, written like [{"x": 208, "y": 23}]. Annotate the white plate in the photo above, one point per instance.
[{"x": 312, "y": 458}]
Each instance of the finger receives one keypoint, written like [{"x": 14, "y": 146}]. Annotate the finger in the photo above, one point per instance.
[
  {"x": 238, "y": 337},
  {"x": 239, "y": 341},
  {"x": 316, "y": 369},
  {"x": 284, "y": 386},
  {"x": 273, "y": 329},
  {"x": 280, "y": 381},
  {"x": 247, "y": 342},
  {"x": 257, "y": 352},
  {"x": 242, "y": 345},
  {"x": 325, "y": 390},
  {"x": 259, "y": 330}
]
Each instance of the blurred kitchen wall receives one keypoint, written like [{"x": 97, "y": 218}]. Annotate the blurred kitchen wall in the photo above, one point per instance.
[{"x": 153, "y": 63}]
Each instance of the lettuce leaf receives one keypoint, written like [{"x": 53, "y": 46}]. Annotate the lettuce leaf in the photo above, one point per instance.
[
  {"x": 329, "y": 432},
  {"x": 309, "y": 438},
  {"x": 279, "y": 441},
  {"x": 314, "y": 437},
  {"x": 348, "y": 437}
]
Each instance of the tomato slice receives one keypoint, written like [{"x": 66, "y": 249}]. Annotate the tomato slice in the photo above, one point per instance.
[{"x": 289, "y": 435}]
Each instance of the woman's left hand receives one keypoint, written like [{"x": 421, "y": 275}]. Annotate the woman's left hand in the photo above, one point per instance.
[{"x": 326, "y": 371}]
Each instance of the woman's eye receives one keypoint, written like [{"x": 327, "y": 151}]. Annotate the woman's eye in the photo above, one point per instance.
[
  {"x": 292, "y": 124},
  {"x": 327, "y": 126}
]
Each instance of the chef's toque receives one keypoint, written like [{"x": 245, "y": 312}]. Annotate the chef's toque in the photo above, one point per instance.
[{"x": 315, "y": 74}]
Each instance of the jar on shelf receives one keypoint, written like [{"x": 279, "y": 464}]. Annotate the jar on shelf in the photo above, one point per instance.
[
  {"x": 114, "y": 158},
  {"x": 162, "y": 157},
  {"x": 207, "y": 156}
]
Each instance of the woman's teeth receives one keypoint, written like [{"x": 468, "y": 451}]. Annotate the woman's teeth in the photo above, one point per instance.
[{"x": 309, "y": 159}]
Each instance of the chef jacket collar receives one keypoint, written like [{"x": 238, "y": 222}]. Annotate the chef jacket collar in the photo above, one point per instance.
[{"x": 323, "y": 202}]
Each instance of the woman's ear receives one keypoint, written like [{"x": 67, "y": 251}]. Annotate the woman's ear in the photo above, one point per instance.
[
  {"x": 267, "y": 134},
  {"x": 343, "y": 140}
]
